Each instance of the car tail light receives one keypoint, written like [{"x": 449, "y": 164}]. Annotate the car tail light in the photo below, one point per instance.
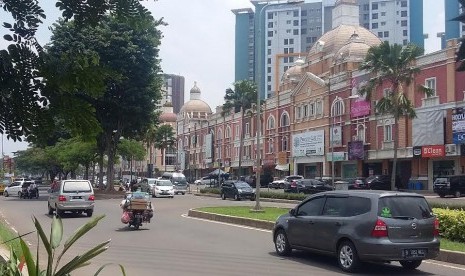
[
  {"x": 62, "y": 198},
  {"x": 436, "y": 227},
  {"x": 92, "y": 197},
  {"x": 293, "y": 184},
  {"x": 380, "y": 229}
]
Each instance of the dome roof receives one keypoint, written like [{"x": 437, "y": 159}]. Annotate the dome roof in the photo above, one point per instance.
[
  {"x": 295, "y": 72},
  {"x": 355, "y": 50},
  {"x": 195, "y": 106},
  {"x": 195, "y": 89},
  {"x": 168, "y": 117},
  {"x": 332, "y": 41}
]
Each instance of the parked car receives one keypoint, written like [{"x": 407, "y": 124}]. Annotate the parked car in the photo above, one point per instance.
[
  {"x": 265, "y": 180},
  {"x": 356, "y": 183},
  {"x": 163, "y": 188},
  {"x": 279, "y": 184},
  {"x": 206, "y": 180},
  {"x": 71, "y": 195},
  {"x": 15, "y": 188},
  {"x": 361, "y": 226},
  {"x": 307, "y": 186},
  {"x": 449, "y": 185},
  {"x": 379, "y": 182},
  {"x": 237, "y": 189}
]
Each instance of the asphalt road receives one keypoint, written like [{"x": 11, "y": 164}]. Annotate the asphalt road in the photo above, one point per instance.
[{"x": 174, "y": 244}]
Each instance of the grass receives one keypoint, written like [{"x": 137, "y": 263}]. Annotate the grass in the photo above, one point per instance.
[
  {"x": 272, "y": 213},
  {"x": 7, "y": 234}
]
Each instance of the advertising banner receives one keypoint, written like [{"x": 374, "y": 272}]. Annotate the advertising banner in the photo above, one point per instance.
[
  {"x": 338, "y": 156},
  {"x": 356, "y": 150},
  {"x": 208, "y": 146},
  {"x": 336, "y": 136},
  {"x": 311, "y": 143},
  {"x": 360, "y": 108},
  {"x": 458, "y": 125},
  {"x": 282, "y": 157}
]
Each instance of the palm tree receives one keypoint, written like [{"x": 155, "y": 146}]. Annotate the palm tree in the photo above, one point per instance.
[
  {"x": 238, "y": 100},
  {"x": 164, "y": 138},
  {"x": 394, "y": 65}
]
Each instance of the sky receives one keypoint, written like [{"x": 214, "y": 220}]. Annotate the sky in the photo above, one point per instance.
[{"x": 198, "y": 43}]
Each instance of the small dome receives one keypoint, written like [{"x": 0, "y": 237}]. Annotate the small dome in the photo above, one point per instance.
[
  {"x": 195, "y": 89},
  {"x": 196, "y": 106},
  {"x": 355, "y": 50},
  {"x": 332, "y": 41},
  {"x": 295, "y": 72},
  {"x": 168, "y": 117}
]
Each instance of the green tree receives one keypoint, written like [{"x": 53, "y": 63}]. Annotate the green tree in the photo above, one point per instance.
[
  {"x": 461, "y": 51},
  {"x": 131, "y": 150},
  {"x": 25, "y": 98},
  {"x": 128, "y": 54},
  {"x": 393, "y": 65},
  {"x": 164, "y": 139},
  {"x": 239, "y": 99}
]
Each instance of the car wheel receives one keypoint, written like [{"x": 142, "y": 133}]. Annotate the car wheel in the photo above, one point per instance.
[
  {"x": 183, "y": 193},
  {"x": 89, "y": 213},
  {"x": 442, "y": 195},
  {"x": 20, "y": 195},
  {"x": 281, "y": 186},
  {"x": 252, "y": 198},
  {"x": 410, "y": 265},
  {"x": 59, "y": 212},
  {"x": 457, "y": 193},
  {"x": 347, "y": 257},
  {"x": 236, "y": 197},
  {"x": 281, "y": 244},
  {"x": 223, "y": 196},
  {"x": 6, "y": 194},
  {"x": 50, "y": 209}
]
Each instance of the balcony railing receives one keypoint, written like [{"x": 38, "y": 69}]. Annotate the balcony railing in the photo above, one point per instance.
[{"x": 430, "y": 101}]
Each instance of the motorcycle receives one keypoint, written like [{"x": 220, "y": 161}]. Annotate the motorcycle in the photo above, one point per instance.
[{"x": 137, "y": 209}]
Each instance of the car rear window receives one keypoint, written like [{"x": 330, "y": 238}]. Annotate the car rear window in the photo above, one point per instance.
[
  {"x": 76, "y": 186},
  {"x": 164, "y": 183},
  {"x": 441, "y": 180},
  {"x": 404, "y": 207}
]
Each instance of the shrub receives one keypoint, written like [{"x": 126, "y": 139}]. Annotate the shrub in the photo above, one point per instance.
[
  {"x": 451, "y": 224},
  {"x": 210, "y": 191}
]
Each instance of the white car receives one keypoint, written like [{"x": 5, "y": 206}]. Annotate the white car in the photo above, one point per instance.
[
  {"x": 206, "y": 180},
  {"x": 163, "y": 188},
  {"x": 15, "y": 188}
]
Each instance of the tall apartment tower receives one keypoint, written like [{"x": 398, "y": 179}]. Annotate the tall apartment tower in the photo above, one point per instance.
[
  {"x": 174, "y": 86},
  {"x": 283, "y": 33},
  {"x": 396, "y": 21},
  {"x": 244, "y": 44},
  {"x": 454, "y": 29}
]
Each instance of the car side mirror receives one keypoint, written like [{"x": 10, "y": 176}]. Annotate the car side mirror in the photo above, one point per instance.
[{"x": 292, "y": 212}]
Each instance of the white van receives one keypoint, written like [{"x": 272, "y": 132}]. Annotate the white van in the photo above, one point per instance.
[{"x": 179, "y": 181}]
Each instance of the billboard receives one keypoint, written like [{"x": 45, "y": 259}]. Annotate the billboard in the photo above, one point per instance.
[
  {"x": 311, "y": 143},
  {"x": 208, "y": 146},
  {"x": 356, "y": 150},
  {"x": 458, "y": 125},
  {"x": 360, "y": 106}
]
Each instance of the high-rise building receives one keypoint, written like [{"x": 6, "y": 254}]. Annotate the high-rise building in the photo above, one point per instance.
[
  {"x": 244, "y": 44},
  {"x": 454, "y": 29},
  {"x": 284, "y": 31},
  {"x": 174, "y": 86}
]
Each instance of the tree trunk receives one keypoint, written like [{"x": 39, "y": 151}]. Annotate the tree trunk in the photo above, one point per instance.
[
  {"x": 241, "y": 142},
  {"x": 164, "y": 157},
  {"x": 111, "y": 152},
  {"x": 394, "y": 161},
  {"x": 86, "y": 173},
  {"x": 100, "y": 173}
]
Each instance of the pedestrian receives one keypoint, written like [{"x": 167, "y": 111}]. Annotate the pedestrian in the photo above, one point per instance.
[{"x": 54, "y": 184}]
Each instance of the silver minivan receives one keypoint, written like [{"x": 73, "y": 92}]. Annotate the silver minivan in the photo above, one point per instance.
[
  {"x": 75, "y": 196},
  {"x": 361, "y": 226}
]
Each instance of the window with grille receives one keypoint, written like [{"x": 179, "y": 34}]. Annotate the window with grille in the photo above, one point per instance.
[
  {"x": 431, "y": 84},
  {"x": 387, "y": 131},
  {"x": 271, "y": 122}
]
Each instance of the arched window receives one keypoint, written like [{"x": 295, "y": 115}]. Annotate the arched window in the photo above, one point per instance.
[
  {"x": 270, "y": 146},
  {"x": 361, "y": 133},
  {"x": 227, "y": 132},
  {"x": 284, "y": 144},
  {"x": 219, "y": 136},
  {"x": 270, "y": 123},
  {"x": 387, "y": 131},
  {"x": 228, "y": 152},
  {"x": 285, "y": 119},
  {"x": 186, "y": 141},
  {"x": 337, "y": 108}
]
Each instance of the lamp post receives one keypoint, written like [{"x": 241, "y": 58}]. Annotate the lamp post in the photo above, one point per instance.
[
  {"x": 333, "y": 124},
  {"x": 258, "y": 80}
]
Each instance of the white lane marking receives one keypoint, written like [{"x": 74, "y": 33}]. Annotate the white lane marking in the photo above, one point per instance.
[
  {"x": 444, "y": 265},
  {"x": 225, "y": 223},
  {"x": 6, "y": 221},
  {"x": 269, "y": 231},
  {"x": 16, "y": 231}
]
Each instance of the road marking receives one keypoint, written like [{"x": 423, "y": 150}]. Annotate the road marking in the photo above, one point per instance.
[
  {"x": 225, "y": 223},
  {"x": 12, "y": 228},
  {"x": 444, "y": 265}
]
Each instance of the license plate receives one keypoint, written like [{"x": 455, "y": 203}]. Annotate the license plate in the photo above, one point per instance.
[
  {"x": 414, "y": 253},
  {"x": 77, "y": 198},
  {"x": 139, "y": 216}
]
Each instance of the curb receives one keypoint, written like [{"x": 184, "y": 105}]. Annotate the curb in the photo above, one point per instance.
[
  {"x": 264, "y": 199},
  {"x": 444, "y": 255}
]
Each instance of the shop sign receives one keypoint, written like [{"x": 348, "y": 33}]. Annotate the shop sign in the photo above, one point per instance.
[
  {"x": 458, "y": 125},
  {"x": 308, "y": 143},
  {"x": 416, "y": 152},
  {"x": 338, "y": 156},
  {"x": 433, "y": 151}
]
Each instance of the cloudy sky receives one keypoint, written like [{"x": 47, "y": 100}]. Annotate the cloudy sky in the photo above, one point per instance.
[{"x": 198, "y": 42}]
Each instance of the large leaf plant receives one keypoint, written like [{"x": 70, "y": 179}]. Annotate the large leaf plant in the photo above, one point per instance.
[{"x": 15, "y": 265}]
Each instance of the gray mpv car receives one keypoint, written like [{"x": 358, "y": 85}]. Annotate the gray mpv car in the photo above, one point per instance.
[
  {"x": 359, "y": 226},
  {"x": 76, "y": 196}
]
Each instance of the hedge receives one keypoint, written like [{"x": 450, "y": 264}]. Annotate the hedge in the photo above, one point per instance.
[{"x": 451, "y": 224}]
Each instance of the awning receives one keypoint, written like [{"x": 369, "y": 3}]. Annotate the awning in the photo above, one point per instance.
[{"x": 284, "y": 167}]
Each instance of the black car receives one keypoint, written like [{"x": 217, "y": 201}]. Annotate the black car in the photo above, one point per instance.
[
  {"x": 265, "y": 180},
  {"x": 379, "y": 182},
  {"x": 307, "y": 186},
  {"x": 449, "y": 185},
  {"x": 237, "y": 190},
  {"x": 356, "y": 183}
]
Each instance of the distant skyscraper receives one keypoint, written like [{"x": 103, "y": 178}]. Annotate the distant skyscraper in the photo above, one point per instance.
[
  {"x": 288, "y": 31},
  {"x": 454, "y": 29},
  {"x": 174, "y": 86}
]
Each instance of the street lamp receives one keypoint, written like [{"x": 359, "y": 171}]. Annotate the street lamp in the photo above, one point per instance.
[
  {"x": 258, "y": 80},
  {"x": 333, "y": 114}
]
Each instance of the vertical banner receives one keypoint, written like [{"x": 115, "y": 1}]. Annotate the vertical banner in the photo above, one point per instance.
[
  {"x": 458, "y": 125},
  {"x": 336, "y": 136},
  {"x": 356, "y": 150}
]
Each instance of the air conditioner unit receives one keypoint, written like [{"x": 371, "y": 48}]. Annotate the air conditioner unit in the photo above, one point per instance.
[{"x": 451, "y": 149}]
